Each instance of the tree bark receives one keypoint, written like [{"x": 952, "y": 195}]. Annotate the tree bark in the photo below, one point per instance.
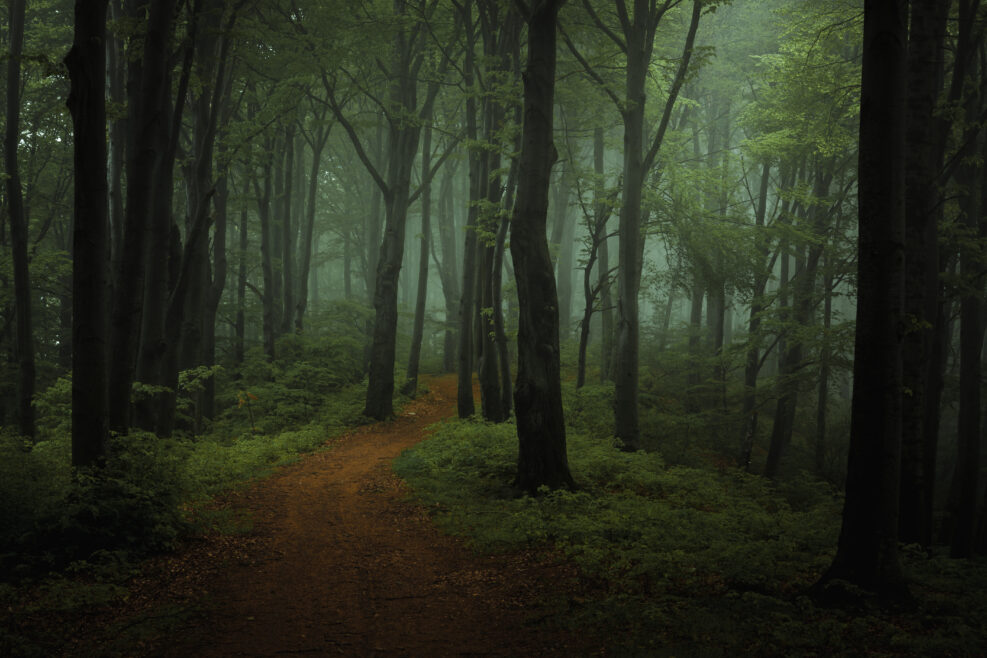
[
  {"x": 542, "y": 459},
  {"x": 922, "y": 211},
  {"x": 18, "y": 225},
  {"x": 867, "y": 551},
  {"x": 86, "y": 63},
  {"x": 410, "y": 387},
  {"x": 149, "y": 129}
]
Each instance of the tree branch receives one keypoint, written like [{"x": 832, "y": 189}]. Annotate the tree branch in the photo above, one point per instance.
[{"x": 677, "y": 83}]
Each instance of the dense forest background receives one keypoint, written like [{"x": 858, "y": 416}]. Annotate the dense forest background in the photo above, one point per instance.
[{"x": 231, "y": 224}]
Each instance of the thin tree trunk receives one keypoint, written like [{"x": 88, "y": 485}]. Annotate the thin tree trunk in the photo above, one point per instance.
[
  {"x": 239, "y": 348},
  {"x": 603, "y": 266},
  {"x": 287, "y": 232},
  {"x": 317, "y": 144},
  {"x": 410, "y": 387}
]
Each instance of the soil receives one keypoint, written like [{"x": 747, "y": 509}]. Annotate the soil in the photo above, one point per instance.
[{"x": 340, "y": 561}]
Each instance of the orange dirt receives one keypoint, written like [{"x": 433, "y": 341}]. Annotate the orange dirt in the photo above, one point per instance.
[{"x": 341, "y": 562}]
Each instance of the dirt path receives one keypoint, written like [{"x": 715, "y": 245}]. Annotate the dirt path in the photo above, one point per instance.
[{"x": 341, "y": 563}]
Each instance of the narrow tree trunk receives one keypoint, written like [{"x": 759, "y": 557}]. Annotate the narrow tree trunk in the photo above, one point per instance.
[
  {"x": 822, "y": 397},
  {"x": 963, "y": 499},
  {"x": 86, "y": 63},
  {"x": 466, "y": 406},
  {"x": 752, "y": 364},
  {"x": 410, "y": 387},
  {"x": 603, "y": 266},
  {"x": 542, "y": 458},
  {"x": 287, "y": 232},
  {"x": 448, "y": 270},
  {"x": 318, "y": 144},
  {"x": 240, "y": 323},
  {"x": 267, "y": 267}
]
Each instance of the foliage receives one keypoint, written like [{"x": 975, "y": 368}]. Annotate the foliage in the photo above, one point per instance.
[{"x": 677, "y": 558}]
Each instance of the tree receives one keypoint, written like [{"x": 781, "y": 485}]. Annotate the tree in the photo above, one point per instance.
[
  {"x": 867, "y": 552},
  {"x": 638, "y": 28},
  {"x": 86, "y": 64},
  {"x": 18, "y": 224},
  {"x": 542, "y": 458}
]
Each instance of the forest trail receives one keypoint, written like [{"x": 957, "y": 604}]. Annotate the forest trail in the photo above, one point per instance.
[{"x": 340, "y": 562}]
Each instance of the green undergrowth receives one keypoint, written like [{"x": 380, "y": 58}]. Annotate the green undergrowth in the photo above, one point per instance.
[
  {"x": 154, "y": 490},
  {"x": 70, "y": 541},
  {"x": 682, "y": 560}
]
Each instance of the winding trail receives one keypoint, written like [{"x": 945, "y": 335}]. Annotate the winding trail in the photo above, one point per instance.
[{"x": 341, "y": 562}]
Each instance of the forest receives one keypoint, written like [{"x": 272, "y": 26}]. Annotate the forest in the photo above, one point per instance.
[{"x": 665, "y": 317}]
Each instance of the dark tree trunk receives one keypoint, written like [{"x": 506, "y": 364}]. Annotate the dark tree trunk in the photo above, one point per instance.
[
  {"x": 86, "y": 63},
  {"x": 448, "y": 270},
  {"x": 149, "y": 130},
  {"x": 603, "y": 266},
  {"x": 752, "y": 365},
  {"x": 800, "y": 315},
  {"x": 542, "y": 458},
  {"x": 867, "y": 552},
  {"x": 922, "y": 210},
  {"x": 410, "y": 387},
  {"x": 961, "y": 512},
  {"x": 466, "y": 406},
  {"x": 825, "y": 358},
  {"x": 317, "y": 143},
  {"x": 639, "y": 37},
  {"x": 694, "y": 378},
  {"x": 287, "y": 232},
  {"x": 18, "y": 225},
  {"x": 240, "y": 323},
  {"x": 116, "y": 74},
  {"x": 267, "y": 266}
]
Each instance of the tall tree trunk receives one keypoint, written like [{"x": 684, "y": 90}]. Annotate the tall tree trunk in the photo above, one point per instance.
[
  {"x": 267, "y": 266},
  {"x": 752, "y": 364},
  {"x": 86, "y": 63},
  {"x": 867, "y": 551},
  {"x": 287, "y": 232},
  {"x": 639, "y": 38},
  {"x": 18, "y": 225},
  {"x": 603, "y": 266},
  {"x": 825, "y": 358},
  {"x": 240, "y": 323},
  {"x": 317, "y": 144},
  {"x": 542, "y": 458},
  {"x": 961, "y": 512},
  {"x": 149, "y": 136},
  {"x": 116, "y": 78},
  {"x": 466, "y": 406},
  {"x": 410, "y": 387},
  {"x": 448, "y": 270},
  {"x": 922, "y": 210}
]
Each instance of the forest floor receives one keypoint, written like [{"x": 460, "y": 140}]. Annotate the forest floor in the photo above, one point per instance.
[{"x": 335, "y": 559}]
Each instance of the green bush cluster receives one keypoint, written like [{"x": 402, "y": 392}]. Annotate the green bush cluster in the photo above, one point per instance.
[
  {"x": 52, "y": 516},
  {"x": 682, "y": 560}
]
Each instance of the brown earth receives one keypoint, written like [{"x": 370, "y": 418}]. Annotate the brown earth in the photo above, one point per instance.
[{"x": 341, "y": 562}]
